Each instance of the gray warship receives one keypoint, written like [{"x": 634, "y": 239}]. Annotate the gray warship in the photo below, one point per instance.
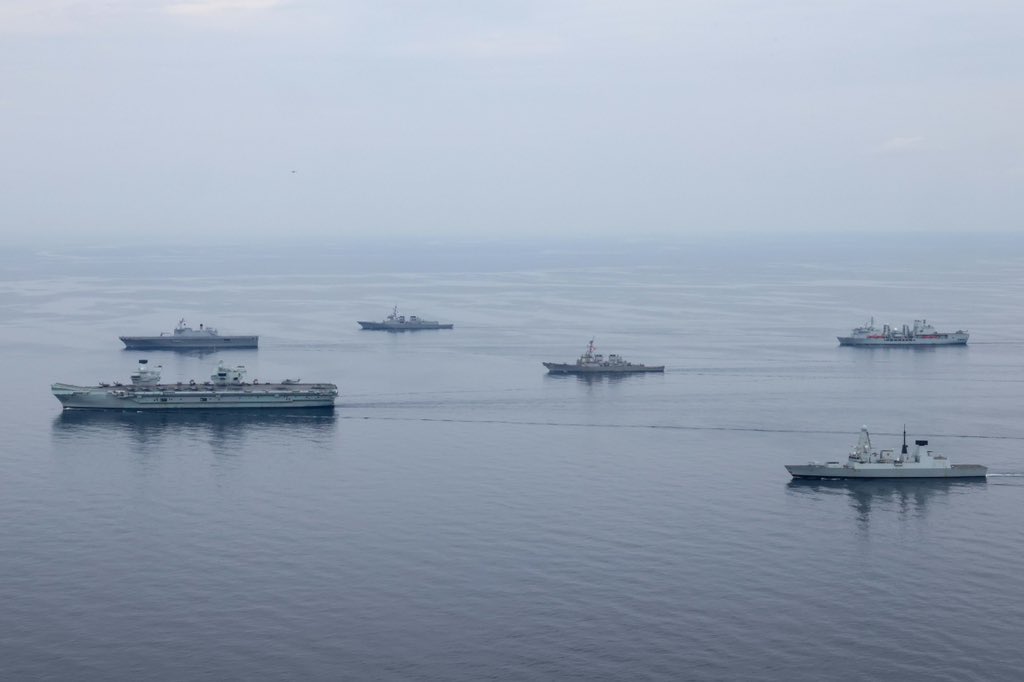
[
  {"x": 186, "y": 338},
  {"x": 400, "y": 323},
  {"x": 865, "y": 462},
  {"x": 226, "y": 389},
  {"x": 596, "y": 363},
  {"x": 921, "y": 334}
]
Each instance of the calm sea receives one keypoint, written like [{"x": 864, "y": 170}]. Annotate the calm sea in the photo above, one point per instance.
[{"x": 464, "y": 516}]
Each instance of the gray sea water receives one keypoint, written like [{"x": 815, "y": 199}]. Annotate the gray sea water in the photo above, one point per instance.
[{"x": 464, "y": 516}]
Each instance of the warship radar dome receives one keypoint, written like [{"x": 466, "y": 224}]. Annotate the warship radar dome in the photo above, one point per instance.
[{"x": 866, "y": 462}]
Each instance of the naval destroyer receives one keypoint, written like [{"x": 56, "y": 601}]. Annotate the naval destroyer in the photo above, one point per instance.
[
  {"x": 186, "y": 338},
  {"x": 596, "y": 363},
  {"x": 921, "y": 334},
  {"x": 865, "y": 462},
  {"x": 226, "y": 388},
  {"x": 400, "y": 323}
]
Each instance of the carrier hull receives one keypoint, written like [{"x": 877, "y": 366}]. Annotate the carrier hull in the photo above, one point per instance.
[
  {"x": 180, "y": 342},
  {"x": 195, "y": 397}
]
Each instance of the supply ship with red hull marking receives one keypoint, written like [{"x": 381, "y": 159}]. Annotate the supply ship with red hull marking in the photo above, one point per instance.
[{"x": 921, "y": 334}]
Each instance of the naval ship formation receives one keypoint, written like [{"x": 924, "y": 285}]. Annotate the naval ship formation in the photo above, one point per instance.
[
  {"x": 921, "y": 334},
  {"x": 186, "y": 338},
  {"x": 226, "y": 389}
]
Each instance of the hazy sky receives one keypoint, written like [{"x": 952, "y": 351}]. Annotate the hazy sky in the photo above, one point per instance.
[{"x": 213, "y": 119}]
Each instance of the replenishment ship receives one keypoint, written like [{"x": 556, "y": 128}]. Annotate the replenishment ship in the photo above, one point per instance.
[
  {"x": 186, "y": 338},
  {"x": 865, "y": 462},
  {"x": 921, "y": 334},
  {"x": 400, "y": 323},
  {"x": 596, "y": 363},
  {"x": 226, "y": 388}
]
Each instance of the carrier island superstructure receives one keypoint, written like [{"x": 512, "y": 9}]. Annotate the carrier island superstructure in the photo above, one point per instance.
[{"x": 227, "y": 388}]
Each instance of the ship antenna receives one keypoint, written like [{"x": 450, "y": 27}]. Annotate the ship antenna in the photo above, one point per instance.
[{"x": 904, "y": 450}]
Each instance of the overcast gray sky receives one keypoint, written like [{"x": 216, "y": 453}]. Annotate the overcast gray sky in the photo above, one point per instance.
[{"x": 214, "y": 119}]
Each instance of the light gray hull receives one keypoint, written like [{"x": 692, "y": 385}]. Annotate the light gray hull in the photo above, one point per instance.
[
  {"x": 943, "y": 340},
  {"x": 177, "y": 342},
  {"x": 821, "y": 471},
  {"x": 566, "y": 368},
  {"x": 199, "y": 397},
  {"x": 400, "y": 327}
]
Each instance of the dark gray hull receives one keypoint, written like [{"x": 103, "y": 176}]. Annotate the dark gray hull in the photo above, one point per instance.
[
  {"x": 822, "y": 472},
  {"x": 188, "y": 343},
  {"x": 566, "y": 368},
  {"x": 397, "y": 327}
]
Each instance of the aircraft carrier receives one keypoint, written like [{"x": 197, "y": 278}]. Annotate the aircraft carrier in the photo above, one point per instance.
[{"x": 226, "y": 389}]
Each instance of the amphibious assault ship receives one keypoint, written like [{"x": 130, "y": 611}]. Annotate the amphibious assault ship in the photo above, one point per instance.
[
  {"x": 226, "y": 388},
  {"x": 921, "y": 334},
  {"x": 596, "y": 363},
  {"x": 186, "y": 338},
  {"x": 400, "y": 323},
  {"x": 865, "y": 462}
]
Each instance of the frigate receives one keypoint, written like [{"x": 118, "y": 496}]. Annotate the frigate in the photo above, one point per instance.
[
  {"x": 596, "y": 363},
  {"x": 866, "y": 462},
  {"x": 920, "y": 334},
  {"x": 400, "y": 323},
  {"x": 186, "y": 338},
  {"x": 226, "y": 388}
]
